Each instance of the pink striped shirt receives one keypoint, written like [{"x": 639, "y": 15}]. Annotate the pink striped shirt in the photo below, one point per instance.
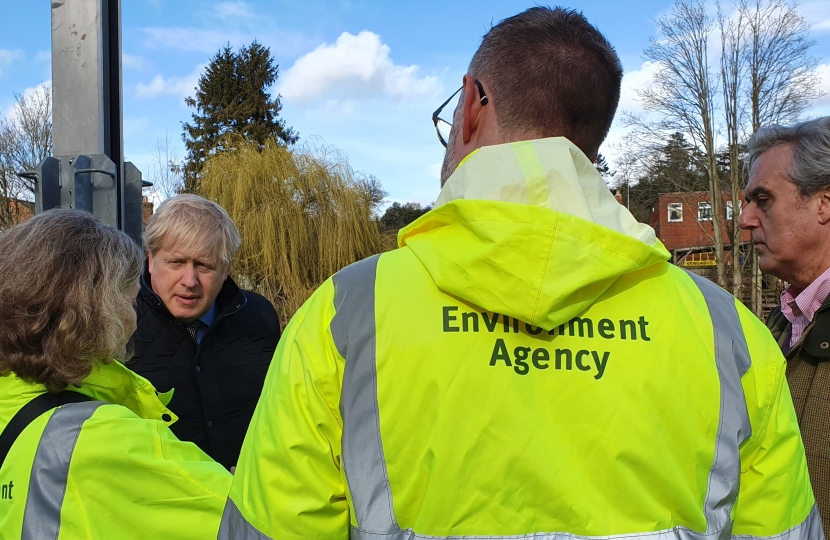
[{"x": 799, "y": 307}]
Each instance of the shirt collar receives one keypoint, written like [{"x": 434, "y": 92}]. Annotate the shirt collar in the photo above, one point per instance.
[
  {"x": 210, "y": 316},
  {"x": 806, "y": 302}
]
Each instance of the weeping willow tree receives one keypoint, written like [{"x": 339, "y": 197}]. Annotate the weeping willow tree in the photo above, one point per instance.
[{"x": 303, "y": 215}]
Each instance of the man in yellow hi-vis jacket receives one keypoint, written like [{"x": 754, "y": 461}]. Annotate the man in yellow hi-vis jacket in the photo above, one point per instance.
[{"x": 527, "y": 364}]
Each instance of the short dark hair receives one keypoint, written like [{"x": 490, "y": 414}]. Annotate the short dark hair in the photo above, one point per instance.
[{"x": 551, "y": 73}]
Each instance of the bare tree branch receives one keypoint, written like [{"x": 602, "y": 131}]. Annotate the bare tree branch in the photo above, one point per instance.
[
  {"x": 166, "y": 169},
  {"x": 683, "y": 96},
  {"x": 27, "y": 132}
]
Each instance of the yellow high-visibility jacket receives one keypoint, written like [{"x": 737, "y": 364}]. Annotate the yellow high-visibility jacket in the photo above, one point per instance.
[
  {"x": 105, "y": 469},
  {"x": 526, "y": 365}
]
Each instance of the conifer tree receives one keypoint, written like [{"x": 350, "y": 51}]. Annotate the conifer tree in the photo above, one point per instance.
[
  {"x": 601, "y": 165},
  {"x": 233, "y": 102}
]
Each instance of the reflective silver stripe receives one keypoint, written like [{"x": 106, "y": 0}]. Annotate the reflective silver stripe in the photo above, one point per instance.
[
  {"x": 234, "y": 526},
  {"x": 677, "y": 533},
  {"x": 732, "y": 359},
  {"x": 353, "y": 331},
  {"x": 50, "y": 470},
  {"x": 809, "y": 529}
]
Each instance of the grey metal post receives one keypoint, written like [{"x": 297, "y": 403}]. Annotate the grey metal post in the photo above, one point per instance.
[
  {"x": 86, "y": 78},
  {"x": 88, "y": 170}
]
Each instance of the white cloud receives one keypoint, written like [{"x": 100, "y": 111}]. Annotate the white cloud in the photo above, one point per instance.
[
  {"x": 821, "y": 106},
  {"x": 433, "y": 172},
  {"x": 817, "y": 14},
  {"x": 192, "y": 39},
  {"x": 633, "y": 80},
  {"x": 8, "y": 56},
  {"x": 43, "y": 56},
  {"x": 35, "y": 92},
  {"x": 175, "y": 86},
  {"x": 823, "y": 71},
  {"x": 354, "y": 67},
  {"x": 234, "y": 9},
  {"x": 639, "y": 79},
  {"x": 130, "y": 61}
]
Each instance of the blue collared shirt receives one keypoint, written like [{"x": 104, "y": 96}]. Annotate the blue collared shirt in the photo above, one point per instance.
[{"x": 207, "y": 319}]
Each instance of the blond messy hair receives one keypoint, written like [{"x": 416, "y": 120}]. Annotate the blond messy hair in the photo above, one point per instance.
[
  {"x": 193, "y": 222},
  {"x": 66, "y": 297}
]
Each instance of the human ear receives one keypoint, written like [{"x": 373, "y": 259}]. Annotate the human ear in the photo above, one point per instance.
[
  {"x": 471, "y": 110},
  {"x": 824, "y": 205}
]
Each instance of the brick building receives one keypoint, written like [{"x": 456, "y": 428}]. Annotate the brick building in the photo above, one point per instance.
[
  {"x": 683, "y": 222},
  {"x": 21, "y": 210},
  {"x": 147, "y": 208}
]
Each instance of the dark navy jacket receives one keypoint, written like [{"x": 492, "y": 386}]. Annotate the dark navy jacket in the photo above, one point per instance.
[{"x": 217, "y": 383}]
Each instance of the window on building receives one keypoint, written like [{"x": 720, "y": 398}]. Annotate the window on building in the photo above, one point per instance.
[
  {"x": 675, "y": 212},
  {"x": 729, "y": 209},
  {"x": 704, "y": 211}
]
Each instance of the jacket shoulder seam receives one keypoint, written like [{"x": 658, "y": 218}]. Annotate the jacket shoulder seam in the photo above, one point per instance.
[
  {"x": 318, "y": 381},
  {"x": 182, "y": 470},
  {"x": 544, "y": 271}
]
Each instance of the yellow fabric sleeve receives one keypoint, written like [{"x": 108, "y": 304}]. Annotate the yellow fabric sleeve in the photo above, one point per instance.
[
  {"x": 775, "y": 493},
  {"x": 131, "y": 478},
  {"x": 288, "y": 482}
]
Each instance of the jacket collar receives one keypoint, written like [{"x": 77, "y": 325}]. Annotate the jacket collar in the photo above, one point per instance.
[
  {"x": 230, "y": 299},
  {"x": 550, "y": 173},
  {"x": 112, "y": 383},
  {"x": 115, "y": 383},
  {"x": 814, "y": 346}
]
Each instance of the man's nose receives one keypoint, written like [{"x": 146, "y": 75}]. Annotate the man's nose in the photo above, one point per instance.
[
  {"x": 747, "y": 219},
  {"x": 189, "y": 277}
]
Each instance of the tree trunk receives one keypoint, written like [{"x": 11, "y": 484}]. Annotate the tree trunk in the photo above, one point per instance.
[
  {"x": 737, "y": 267},
  {"x": 757, "y": 294},
  {"x": 716, "y": 196}
]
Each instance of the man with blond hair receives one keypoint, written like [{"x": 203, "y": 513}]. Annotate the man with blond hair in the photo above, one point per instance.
[{"x": 199, "y": 333}]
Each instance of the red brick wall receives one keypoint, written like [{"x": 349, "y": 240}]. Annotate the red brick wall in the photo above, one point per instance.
[
  {"x": 21, "y": 210},
  {"x": 690, "y": 232},
  {"x": 147, "y": 207}
]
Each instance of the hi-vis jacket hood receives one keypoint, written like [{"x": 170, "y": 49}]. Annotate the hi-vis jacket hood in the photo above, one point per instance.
[{"x": 506, "y": 217}]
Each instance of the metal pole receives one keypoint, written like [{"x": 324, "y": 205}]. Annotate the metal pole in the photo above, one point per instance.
[
  {"x": 81, "y": 77},
  {"x": 86, "y": 97},
  {"x": 113, "y": 134},
  {"x": 88, "y": 171}
]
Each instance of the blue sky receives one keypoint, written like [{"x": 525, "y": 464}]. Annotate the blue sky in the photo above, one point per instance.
[{"x": 363, "y": 76}]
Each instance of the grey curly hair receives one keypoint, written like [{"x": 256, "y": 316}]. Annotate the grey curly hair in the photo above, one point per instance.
[{"x": 810, "y": 166}]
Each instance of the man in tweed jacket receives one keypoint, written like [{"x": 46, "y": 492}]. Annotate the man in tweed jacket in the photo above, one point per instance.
[{"x": 787, "y": 211}]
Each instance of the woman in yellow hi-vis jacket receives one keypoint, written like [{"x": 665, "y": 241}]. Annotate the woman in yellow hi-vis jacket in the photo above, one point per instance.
[
  {"x": 97, "y": 459},
  {"x": 534, "y": 371}
]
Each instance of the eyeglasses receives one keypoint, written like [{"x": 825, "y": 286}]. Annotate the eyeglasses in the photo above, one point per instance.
[{"x": 442, "y": 127}]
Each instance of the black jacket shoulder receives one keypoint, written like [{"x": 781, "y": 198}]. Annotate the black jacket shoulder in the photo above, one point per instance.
[{"x": 261, "y": 311}]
